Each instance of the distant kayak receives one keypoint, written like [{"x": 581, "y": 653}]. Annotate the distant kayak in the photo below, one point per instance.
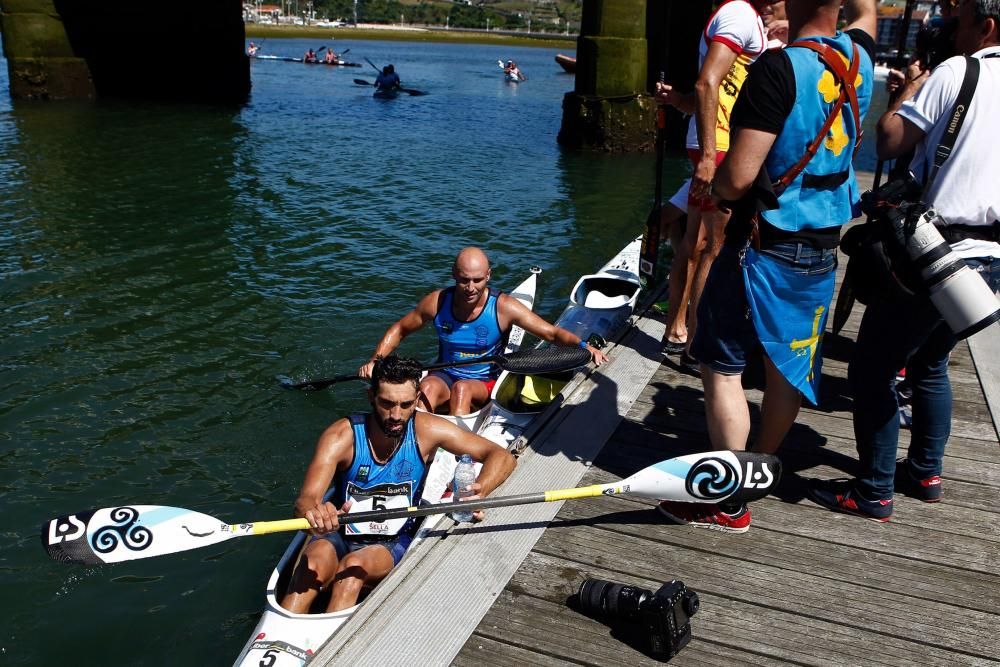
[
  {"x": 386, "y": 93},
  {"x": 568, "y": 63},
  {"x": 511, "y": 77},
  {"x": 289, "y": 59}
]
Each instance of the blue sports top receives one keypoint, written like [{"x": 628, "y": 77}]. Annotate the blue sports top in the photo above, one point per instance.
[
  {"x": 459, "y": 341},
  {"x": 372, "y": 485},
  {"x": 825, "y": 194}
]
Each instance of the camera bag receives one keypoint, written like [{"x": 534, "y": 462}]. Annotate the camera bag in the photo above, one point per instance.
[{"x": 877, "y": 267}]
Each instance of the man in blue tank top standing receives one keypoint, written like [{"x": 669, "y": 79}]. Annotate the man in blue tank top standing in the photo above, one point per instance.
[
  {"x": 772, "y": 284},
  {"x": 376, "y": 461},
  {"x": 472, "y": 321}
]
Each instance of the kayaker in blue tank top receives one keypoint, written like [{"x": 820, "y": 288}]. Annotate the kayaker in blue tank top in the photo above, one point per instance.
[
  {"x": 469, "y": 317},
  {"x": 460, "y": 340},
  {"x": 375, "y": 461}
]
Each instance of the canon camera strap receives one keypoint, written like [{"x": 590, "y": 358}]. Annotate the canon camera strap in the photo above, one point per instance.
[{"x": 958, "y": 113}]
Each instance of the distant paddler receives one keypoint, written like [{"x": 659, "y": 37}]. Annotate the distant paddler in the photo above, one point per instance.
[
  {"x": 310, "y": 57},
  {"x": 331, "y": 58},
  {"x": 388, "y": 80},
  {"x": 511, "y": 71},
  {"x": 472, "y": 321},
  {"x": 376, "y": 461},
  {"x": 252, "y": 50}
]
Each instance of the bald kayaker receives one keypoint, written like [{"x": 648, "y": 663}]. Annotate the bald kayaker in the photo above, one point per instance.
[
  {"x": 376, "y": 461},
  {"x": 472, "y": 321}
]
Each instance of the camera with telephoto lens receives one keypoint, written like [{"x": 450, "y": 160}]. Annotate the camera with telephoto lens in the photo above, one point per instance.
[
  {"x": 935, "y": 41},
  {"x": 922, "y": 261},
  {"x": 661, "y": 620}
]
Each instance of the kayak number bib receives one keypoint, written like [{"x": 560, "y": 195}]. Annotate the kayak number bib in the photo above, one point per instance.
[{"x": 374, "y": 499}]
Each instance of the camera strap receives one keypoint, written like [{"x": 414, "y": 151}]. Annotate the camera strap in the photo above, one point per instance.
[
  {"x": 845, "y": 77},
  {"x": 958, "y": 114}
]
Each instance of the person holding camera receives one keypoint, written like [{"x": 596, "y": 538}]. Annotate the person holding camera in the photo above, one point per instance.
[
  {"x": 912, "y": 332},
  {"x": 789, "y": 179}
]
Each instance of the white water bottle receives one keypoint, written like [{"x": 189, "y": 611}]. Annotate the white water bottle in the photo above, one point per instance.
[{"x": 465, "y": 476}]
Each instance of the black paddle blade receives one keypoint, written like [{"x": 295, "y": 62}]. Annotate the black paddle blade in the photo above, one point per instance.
[
  {"x": 547, "y": 360},
  {"x": 650, "y": 243},
  {"x": 362, "y": 82},
  {"x": 413, "y": 92},
  {"x": 761, "y": 475},
  {"x": 315, "y": 384}
]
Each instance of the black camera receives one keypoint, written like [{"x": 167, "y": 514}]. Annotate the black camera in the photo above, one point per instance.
[
  {"x": 660, "y": 620},
  {"x": 935, "y": 41}
]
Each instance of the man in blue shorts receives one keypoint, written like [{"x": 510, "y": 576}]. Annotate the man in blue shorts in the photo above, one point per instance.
[
  {"x": 472, "y": 321},
  {"x": 772, "y": 283},
  {"x": 376, "y": 461}
]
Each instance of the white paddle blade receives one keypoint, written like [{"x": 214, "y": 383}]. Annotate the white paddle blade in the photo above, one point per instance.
[
  {"x": 115, "y": 534},
  {"x": 710, "y": 477}
]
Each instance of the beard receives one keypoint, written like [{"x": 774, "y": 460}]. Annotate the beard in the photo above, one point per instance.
[{"x": 391, "y": 427}]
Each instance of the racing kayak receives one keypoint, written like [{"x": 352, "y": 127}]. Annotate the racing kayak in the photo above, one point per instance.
[
  {"x": 285, "y": 639},
  {"x": 386, "y": 93},
  {"x": 290, "y": 59}
]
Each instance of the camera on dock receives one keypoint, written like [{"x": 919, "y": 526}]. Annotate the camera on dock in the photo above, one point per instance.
[{"x": 660, "y": 620}]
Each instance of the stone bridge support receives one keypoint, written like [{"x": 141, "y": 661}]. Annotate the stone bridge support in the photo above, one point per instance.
[
  {"x": 623, "y": 47},
  {"x": 59, "y": 49}
]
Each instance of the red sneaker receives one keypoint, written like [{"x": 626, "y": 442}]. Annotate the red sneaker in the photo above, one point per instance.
[{"x": 706, "y": 516}]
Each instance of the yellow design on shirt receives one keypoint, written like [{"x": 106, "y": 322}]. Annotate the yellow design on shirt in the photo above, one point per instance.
[
  {"x": 729, "y": 89},
  {"x": 837, "y": 140}
]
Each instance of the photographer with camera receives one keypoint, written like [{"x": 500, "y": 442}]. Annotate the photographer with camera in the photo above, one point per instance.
[
  {"x": 914, "y": 331},
  {"x": 790, "y": 181}
]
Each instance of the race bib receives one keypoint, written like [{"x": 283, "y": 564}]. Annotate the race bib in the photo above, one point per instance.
[{"x": 374, "y": 499}]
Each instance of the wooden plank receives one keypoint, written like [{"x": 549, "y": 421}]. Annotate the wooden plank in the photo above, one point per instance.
[
  {"x": 740, "y": 609},
  {"x": 542, "y": 624},
  {"x": 895, "y": 569},
  {"x": 431, "y": 615},
  {"x": 984, "y": 348}
]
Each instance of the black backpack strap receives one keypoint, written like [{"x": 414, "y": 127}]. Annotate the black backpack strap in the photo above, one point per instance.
[{"x": 958, "y": 113}]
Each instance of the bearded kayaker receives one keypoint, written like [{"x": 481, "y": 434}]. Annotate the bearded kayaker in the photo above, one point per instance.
[
  {"x": 376, "y": 461},
  {"x": 388, "y": 79},
  {"x": 472, "y": 321}
]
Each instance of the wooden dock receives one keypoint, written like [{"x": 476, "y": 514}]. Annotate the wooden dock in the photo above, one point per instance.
[{"x": 805, "y": 586}]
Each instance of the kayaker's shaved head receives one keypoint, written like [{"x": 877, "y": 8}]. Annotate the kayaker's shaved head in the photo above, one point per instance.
[{"x": 471, "y": 260}]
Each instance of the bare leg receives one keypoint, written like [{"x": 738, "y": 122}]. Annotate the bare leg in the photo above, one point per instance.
[
  {"x": 434, "y": 393},
  {"x": 685, "y": 260},
  {"x": 365, "y": 566},
  {"x": 715, "y": 228},
  {"x": 467, "y": 395},
  {"x": 725, "y": 410},
  {"x": 778, "y": 409},
  {"x": 316, "y": 569}
]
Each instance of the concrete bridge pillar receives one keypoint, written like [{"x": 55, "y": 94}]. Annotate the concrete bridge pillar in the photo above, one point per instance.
[
  {"x": 40, "y": 59},
  {"x": 126, "y": 48},
  {"x": 609, "y": 109}
]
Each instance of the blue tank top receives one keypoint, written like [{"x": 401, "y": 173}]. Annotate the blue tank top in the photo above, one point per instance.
[
  {"x": 459, "y": 341},
  {"x": 825, "y": 194},
  {"x": 372, "y": 485}
]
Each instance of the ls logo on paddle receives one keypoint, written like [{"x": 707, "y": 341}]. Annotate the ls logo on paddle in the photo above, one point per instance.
[
  {"x": 757, "y": 476},
  {"x": 67, "y": 528}
]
